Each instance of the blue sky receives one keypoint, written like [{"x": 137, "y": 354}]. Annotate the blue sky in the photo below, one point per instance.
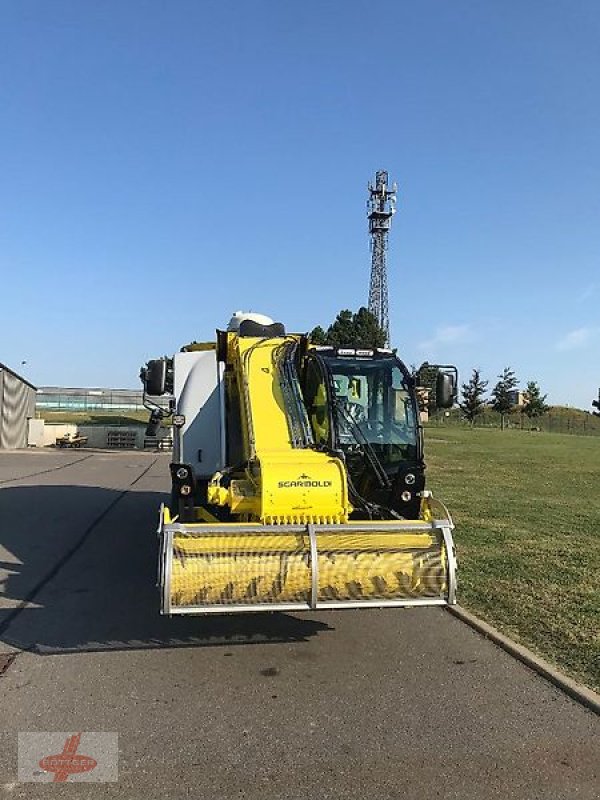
[{"x": 165, "y": 163}]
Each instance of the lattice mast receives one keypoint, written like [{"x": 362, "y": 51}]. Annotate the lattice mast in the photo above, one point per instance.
[{"x": 381, "y": 206}]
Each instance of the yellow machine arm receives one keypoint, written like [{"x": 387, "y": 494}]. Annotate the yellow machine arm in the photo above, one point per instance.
[{"x": 281, "y": 484}]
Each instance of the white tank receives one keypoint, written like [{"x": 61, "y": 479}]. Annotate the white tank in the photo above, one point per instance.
[{"x": 239, "y": 317}]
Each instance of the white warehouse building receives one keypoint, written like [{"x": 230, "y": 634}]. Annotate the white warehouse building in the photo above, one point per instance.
[{"x": 17, "y": 407}]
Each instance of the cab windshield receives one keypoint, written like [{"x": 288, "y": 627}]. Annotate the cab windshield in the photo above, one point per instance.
[{"x": 373, "y": 404}]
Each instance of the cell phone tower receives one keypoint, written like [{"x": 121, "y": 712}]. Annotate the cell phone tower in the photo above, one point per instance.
[{"x": 381, "y": 207}]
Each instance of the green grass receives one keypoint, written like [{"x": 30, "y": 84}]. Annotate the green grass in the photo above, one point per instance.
[
  {"x": 527, "y": 513},
  {"x": 559, "y": 419}
]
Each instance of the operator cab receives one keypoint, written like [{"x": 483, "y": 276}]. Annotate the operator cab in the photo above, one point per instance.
[{"x": 362, "y": 404}]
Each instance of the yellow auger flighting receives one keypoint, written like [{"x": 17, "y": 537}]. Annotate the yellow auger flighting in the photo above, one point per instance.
[{"x": 297, "y": 477}]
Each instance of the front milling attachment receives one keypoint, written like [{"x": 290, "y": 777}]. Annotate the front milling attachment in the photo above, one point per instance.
[{"x": 286, "y": 568}]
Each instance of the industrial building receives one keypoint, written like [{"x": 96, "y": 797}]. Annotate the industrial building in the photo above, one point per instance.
[
  {"x": 17, "y": 406},
  {"x": 60, "y": 398}
]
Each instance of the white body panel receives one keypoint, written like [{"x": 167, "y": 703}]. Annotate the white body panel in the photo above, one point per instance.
[{"x": 198, "y": 388}]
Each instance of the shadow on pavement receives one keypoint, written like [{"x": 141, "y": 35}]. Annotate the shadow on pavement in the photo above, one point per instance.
[{"x": 103, "y": 595}]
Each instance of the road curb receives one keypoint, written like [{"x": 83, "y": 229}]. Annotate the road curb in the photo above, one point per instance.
[{"x": 576, "y": 691}]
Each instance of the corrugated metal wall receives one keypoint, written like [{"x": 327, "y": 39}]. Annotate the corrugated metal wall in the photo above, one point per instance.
[{"x": 17, "y": 403}]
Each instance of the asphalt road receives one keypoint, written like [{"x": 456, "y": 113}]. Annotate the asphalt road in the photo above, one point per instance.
[{"x": 369, "y": 704}]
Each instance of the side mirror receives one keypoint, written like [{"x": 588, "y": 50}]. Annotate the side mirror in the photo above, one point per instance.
[
  {"x": 154, "y": 377},
  {"x": 445, "y": 390}
]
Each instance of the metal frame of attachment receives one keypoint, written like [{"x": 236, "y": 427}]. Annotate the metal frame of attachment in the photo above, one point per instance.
[
  {"x": 297, "y": 607},
  {"x": 314, "y": 567},
  {"x": 452, "y": 563}
]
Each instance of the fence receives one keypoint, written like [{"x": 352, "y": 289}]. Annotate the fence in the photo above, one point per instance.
[{"x": 577, "y": 422}]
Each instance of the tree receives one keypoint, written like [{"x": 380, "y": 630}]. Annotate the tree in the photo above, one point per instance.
[
  {"x": 596, "y": 404},
  {"x": 367, "y": 329},
  {"x": 472, "y": 403},
  {"x": 535, "y": 405},
  {"x": 503, "y": 394},
  {"x": 426, "y": 378},
  {"x": 318, "y": 335},
  {"x": 351, "y": 330},
  {"x": 341, "y": 333}
]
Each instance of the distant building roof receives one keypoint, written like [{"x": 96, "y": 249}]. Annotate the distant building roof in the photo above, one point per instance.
[
  {"x": 86, "y": 390},
  {"x": 16, "y": 374}
]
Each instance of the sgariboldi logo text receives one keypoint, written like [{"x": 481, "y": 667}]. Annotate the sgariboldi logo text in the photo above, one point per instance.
[{"x": 304, "y": 482}]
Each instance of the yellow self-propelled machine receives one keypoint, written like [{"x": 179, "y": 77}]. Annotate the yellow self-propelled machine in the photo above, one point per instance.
[{"x": 297, "y": 478}]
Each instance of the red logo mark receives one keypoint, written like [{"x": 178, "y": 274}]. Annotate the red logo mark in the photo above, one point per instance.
[{"x": 69, "y": 762}]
